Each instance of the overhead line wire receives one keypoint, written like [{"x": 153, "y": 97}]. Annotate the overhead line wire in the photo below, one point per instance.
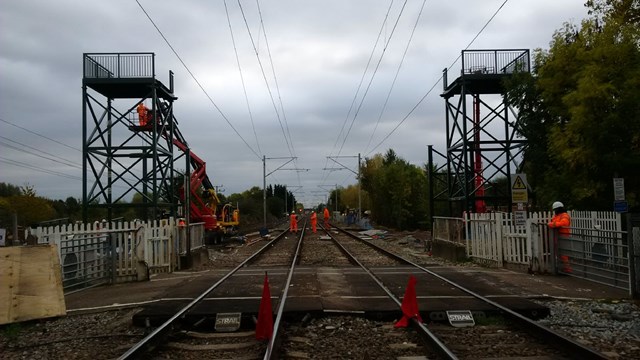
[
  {"x": 40, "y": 135},
  {"x": 275, "y": 79},
  {"x": 355, "y": 96},
  {"x": 393, "y": 83},
  {"x": 32, "y": 167},
  {"x": 42, "y": 151},
  {"x": 244, "y": 88},
  {"x": 196, "y": 80},
  {"x": 275, "y": 107},
  {"x": 393, "y": 30},
  {"x": 40, "y": 156},
  {"x": 438, "y": 80}
]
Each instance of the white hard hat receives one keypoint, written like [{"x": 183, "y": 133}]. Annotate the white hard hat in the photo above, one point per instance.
[
  {"x": 557, "y": 205},
  {"x": 293, "y": 213}
]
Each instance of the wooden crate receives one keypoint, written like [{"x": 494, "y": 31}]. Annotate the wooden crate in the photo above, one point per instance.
[{"x": 30, "y": 283}]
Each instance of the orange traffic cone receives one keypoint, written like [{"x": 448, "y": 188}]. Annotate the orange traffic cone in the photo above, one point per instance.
[
  {"x": 409, "y": 304},
  {"x": 566, "y": 266},
  {"x": 264, "y": 327}
]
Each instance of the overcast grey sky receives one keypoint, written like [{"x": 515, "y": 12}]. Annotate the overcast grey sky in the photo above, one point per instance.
[{"x": 319, "y": 51}]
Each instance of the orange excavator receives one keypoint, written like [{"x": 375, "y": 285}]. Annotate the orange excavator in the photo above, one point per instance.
[{"x": 204, "y": 204}]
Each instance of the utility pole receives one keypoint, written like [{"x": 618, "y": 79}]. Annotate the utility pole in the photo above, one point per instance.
[
  {"x": 358, "y": 175},
  {"x": 328, "y": 197},
  {"x": 286, "y": 191},
  {"x": 264, "y": 180}
]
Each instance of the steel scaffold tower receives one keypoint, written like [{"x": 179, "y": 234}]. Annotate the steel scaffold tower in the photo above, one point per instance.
[
  {"x": 123, "y": 154},
  {"x": 481, "y": 139}
]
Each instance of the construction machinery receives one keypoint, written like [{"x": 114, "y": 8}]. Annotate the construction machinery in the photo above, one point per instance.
[{"x": 203, "y": 202}]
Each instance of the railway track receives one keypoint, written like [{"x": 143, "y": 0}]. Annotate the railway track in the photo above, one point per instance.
[{"x": 507, "y": 335}]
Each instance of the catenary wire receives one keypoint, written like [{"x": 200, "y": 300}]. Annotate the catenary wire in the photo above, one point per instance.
[
  {"x": 375, "y": 71},
  {"x": 395, "y": 78},
  {"x": 275, "y": 80},
  {"x": 438, "y": 80},
  {"x": 42, "y": 136},
  {"x": 36, "y": 168},
  {"x": 264, "y": 76},
  {"x": 39, "y": 155},
  {"x": 355, "y": 96},
  {"x": 78, "y": 165},
  {"x": 244, "y": 88},
  {"x": 196, "y": 80}
]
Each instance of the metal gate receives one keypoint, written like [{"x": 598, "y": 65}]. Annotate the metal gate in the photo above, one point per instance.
[
  {"x": 597, "y": 255},
  {"x": 87, "y": 260}
]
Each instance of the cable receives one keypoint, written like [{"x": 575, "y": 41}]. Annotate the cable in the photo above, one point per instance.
[
  {"x": 40, "y": 156},
  {"x": 42, "y": 136},
  {"x": 439, "y": 79},
  {"x": 355, "y": 96},
  {"x": 78, "y": 165},
  {"x": 375, "y": 71},
  {"x": 393, "y": 83},
  {"x": 196, "y": 80},
  {"x": 32, "y": 167},
  {"x": 264, "y": 76},
  {"x": 275, "y": 78},
  {"x": 244, "y": 88}
]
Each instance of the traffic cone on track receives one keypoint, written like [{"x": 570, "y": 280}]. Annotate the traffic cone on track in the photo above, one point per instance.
[
  {"x": 264, "y": 327},
  {"x": 409, "y": 304}
]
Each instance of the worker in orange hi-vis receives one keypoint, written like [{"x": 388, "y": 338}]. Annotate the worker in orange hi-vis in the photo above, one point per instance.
[
  {"x": 294, "y": 222},
  {"x": 314, "y": 221},
  {"x": 561, "y": 221},
  {"x": 143, "y": 114},
  {"x": 326, "y": 217}
]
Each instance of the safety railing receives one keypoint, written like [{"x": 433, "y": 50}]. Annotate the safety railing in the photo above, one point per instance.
[
  {"x": 597, "y": 255},
  {"x": 495, "y": 61},
  {"x": 119, "y": 65},
  {"x": 86, "y": 260},
  {"x": 448, "y": 229},
  {"x": 196, "y": 237}
]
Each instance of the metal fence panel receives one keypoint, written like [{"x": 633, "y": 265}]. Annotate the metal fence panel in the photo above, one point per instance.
[
  {"x": 596, "y": 255},
  {"x": 86, "y": 260}
]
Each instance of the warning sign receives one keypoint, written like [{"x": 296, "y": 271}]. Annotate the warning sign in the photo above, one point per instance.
[
  {"x": 518, "y": 184},
  {"x": 519, "y": 191}
]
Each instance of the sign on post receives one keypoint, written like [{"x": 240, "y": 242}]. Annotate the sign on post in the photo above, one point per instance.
[
  {"x": 618, "y": 189},
  {"x": 519, "y": 198},
  {"x": 519, "y": 192}
]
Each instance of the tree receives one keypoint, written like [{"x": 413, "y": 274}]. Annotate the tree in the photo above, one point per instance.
[
  {"x": 397, "y": 190},
  {"x": 582, "y": 102},
  {"x": 7, "y": 190}
]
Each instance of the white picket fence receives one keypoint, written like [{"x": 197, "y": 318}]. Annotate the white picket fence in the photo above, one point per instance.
[
  {"x": 153, "y": 246},
  {"x": 494, "y": 239}
]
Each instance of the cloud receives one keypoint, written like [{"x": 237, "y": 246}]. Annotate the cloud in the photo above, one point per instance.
[{"x": 319, "y": 52}]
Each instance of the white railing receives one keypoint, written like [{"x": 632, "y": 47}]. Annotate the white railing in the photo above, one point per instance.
[
  {"x": 448, "y": 229},
  {"x": 494, "y": 238},
  {"x": 196, "y": 235},
  {"x": 153, "y": 246}
]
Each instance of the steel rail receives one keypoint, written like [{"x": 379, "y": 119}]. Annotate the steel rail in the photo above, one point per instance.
[
  {"x": 571, "y": 346},
  {"x": 167, "y": 326},
  {"x": 433, "y": 340},
  {"x": 274, "y": 341}
]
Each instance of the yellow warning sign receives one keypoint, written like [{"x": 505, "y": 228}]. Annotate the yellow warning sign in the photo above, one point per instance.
[
  {"x": 519, "y": 193},
  {"x": 518, "y": 184}
]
